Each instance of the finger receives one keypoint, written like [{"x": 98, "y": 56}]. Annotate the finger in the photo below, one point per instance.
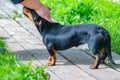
[{"x": 48, "y": 18}]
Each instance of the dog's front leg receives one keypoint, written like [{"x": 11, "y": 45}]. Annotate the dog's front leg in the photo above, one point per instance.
[{"x": 52, "y": 57}]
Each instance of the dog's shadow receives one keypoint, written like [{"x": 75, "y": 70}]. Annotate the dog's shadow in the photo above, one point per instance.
[
  {"x": 65, "y": 57},
  {"x": 68, "y": 57}
]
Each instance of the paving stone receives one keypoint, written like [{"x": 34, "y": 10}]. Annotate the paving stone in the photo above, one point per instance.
[
  {"x": 29, "y": 26},
  {"x": 22, "y": 37},
  {"x": 3, "y": 14},
  {"x": 64, "y": 69},
  {"x": 8, "y": 23},
  {"x": 10, "y": 9},
  {"x": 6, "y": 36},
  {"x": 83, "y": 61}
]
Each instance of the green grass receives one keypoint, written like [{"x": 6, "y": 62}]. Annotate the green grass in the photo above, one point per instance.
[
  {"x": 2, "y": 16},
  {"x": 17, "y": 14},
  {"x": 103, "y": 12},
  {"x": 11, "y": 69}
]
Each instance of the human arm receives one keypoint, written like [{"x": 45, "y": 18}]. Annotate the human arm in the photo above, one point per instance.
[{"x": 42, "y": 10}]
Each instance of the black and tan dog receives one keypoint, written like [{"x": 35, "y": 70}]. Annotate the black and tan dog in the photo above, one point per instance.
[{"x": 61, "y": 37}]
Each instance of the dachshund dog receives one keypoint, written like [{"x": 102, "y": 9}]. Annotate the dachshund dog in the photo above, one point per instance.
[{"x": 60, "y": 37}]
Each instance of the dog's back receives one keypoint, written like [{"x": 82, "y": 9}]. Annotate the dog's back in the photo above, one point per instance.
[{"x": 61, "y": 37}]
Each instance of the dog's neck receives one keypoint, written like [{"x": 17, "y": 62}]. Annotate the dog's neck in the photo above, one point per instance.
[
  {"x": 42, "y": 25},
  {"x": 45, "y": 26}
]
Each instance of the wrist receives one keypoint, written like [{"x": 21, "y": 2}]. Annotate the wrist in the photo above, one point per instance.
[{"x": 32, "y": 4}]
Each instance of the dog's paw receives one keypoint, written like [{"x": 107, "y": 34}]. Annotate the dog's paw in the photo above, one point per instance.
[
  {"x": 50, "y": 64},
  {"x": 93, "y": 66},
  {"x": 51, "y": 61}
]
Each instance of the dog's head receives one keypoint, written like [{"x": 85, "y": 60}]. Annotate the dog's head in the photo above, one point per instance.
[{"x": 33, "y": 16}]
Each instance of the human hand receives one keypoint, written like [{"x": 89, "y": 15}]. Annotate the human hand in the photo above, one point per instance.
[{"x": 44, "y": 12}]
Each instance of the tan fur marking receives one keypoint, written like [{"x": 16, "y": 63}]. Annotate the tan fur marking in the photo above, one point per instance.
[
  {"x": 39, "y": 23},
  {"x": 28, "y": 13},
  {"x": 34, "y": 18},
  {"x": 52, "y": 59},
  {"x": 103, "y": 53},
  {"x": 103, "y": 50},
  {"x": 95, "y": 63}
]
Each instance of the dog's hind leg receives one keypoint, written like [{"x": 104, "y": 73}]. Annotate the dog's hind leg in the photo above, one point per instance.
[
  {"x": 95, "y": 45},
  {"x": 98, "y": 58},
  {"x": 103, "y": 52},
  {"x": 52, "y": 57}
]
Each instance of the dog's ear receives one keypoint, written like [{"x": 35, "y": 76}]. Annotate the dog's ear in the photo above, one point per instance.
[{"x": 28, "y": 13}]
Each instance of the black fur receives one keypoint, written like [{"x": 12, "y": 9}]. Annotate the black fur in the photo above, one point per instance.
[{"x": 62, "y": 37}]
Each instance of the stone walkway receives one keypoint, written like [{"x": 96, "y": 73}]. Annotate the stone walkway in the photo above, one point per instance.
[{"x": 22, "y": 37}]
